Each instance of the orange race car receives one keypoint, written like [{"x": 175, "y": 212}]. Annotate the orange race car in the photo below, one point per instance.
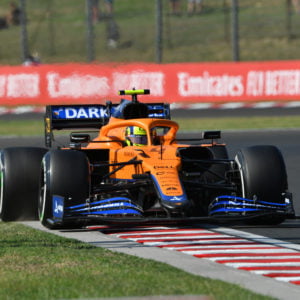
[{"x": 135, "y": 169}]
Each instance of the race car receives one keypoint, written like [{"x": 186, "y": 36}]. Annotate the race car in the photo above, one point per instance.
[{"x": 124, "y": 163}]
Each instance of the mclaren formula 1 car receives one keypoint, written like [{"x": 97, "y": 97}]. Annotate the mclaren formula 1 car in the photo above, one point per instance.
[{"x": 135, "y": 169}]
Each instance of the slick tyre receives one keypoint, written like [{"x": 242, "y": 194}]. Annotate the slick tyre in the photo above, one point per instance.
[
  {"x": 20, "y": 173},
  {"x": 263, "y": 176},
  {"x": 64, "y": 173}
]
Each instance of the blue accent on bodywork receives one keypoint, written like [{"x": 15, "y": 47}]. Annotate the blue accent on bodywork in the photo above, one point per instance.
[
  {"x": 57, "y": 207},
  {"x": 79, "y": 112},
  {"x": 117, "y": 111},
  {"x": 111, "y": 206},
  {"x": 172, "y": 199},
  {"x": 114, "y": 212},
  {"x": 108, "y": 200},
  {"x": 250, "y": 200},
  {"x": 105, "y": 206},
  {"x": 159, "y": 111},
  {"x": 226, "y": 205},
  {"x": 234, "y": 210}
]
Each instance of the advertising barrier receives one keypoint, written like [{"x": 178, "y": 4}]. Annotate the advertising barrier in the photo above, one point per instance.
[{"x": 72, "y": 83}]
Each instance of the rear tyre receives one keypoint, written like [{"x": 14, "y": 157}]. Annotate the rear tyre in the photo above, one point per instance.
[
  {"x": 64, "y": 173},
  {"x": 20, "y": 172},
  {"x": 263, "y": 176}
]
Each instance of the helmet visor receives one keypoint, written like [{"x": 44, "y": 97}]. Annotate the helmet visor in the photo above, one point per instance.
[{"x": 138, "y": 139}]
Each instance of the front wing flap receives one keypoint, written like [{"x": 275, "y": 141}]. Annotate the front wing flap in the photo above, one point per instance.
[{"x": 234, "y": 206}]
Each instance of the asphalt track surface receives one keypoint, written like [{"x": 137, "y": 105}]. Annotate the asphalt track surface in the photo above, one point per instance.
[{"x": 288, "y": 141}]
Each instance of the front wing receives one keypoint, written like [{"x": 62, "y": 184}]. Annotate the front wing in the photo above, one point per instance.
[{"x": 121, "y": 210}]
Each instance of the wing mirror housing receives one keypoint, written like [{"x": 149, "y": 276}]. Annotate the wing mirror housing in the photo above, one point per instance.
[
  {"x": 213, "y": 135},
  {"x": 80, "y": 138}
]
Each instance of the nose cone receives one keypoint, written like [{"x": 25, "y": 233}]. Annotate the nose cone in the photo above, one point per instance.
[
  {"x": 170, "y": 190},
  {"x": 175, "y": 203}
]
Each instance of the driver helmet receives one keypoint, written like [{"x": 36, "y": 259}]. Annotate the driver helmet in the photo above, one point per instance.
[{"x": 136, "y": 136}]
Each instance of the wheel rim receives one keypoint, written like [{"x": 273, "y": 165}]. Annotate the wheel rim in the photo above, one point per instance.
[
  {"x": 42, "y": 195},
  {"x": 241, "y": 176}
]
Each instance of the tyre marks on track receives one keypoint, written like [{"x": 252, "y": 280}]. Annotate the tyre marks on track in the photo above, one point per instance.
[{"x": 266, "y": 259}]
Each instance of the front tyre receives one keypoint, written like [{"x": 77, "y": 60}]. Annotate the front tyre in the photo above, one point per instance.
[
  {"x": 20, "y": 173},
  {"x": 263, "y": 177},
  {"x": 65, "y": 173}
]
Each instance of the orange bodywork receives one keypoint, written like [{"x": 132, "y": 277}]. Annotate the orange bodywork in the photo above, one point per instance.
[{"x": 159, "y": 159}]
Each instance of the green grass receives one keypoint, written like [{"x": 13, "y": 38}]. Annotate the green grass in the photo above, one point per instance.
[
  {"x": 38, "y": 265},
  {"x": 21, "y": 127},
  {"x": 36, "y": 127},
  {"x": 57, "y": 31}
]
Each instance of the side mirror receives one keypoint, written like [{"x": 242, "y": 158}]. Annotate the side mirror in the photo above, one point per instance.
[
  {"x": 80, "y": 137},
  {"x": 215, "y": 134}
]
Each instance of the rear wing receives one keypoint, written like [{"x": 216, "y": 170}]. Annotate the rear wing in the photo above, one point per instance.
[{"x": 94, "y": 116}]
